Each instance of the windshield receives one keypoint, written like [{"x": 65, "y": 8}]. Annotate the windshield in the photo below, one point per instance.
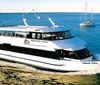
[
  {"x": 57, "y": 35},
  {"x": 80, "y": 54},
  {"x": 84, "y": 53}
]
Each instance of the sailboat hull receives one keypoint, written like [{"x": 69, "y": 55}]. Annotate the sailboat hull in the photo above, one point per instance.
[{"x": 87, "y": 24}]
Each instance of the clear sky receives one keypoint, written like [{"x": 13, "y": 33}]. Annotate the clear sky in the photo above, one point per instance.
[{"x": 48, "y": 5}]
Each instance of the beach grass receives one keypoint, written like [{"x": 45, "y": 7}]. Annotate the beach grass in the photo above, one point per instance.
[{"x": 17, "y": 74}]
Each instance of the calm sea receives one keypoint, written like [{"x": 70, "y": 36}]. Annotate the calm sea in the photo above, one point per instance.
[{"x": 91, "y": 35}]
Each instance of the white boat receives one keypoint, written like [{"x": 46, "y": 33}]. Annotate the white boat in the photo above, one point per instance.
[
  {"x": 50, "y": 47},
  {"x": 87, "y": 23}
]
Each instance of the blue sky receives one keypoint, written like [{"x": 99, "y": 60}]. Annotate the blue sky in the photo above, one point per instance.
[{"x": 48, "y": 5}]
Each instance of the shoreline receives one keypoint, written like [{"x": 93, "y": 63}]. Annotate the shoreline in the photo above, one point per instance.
[
  {"x": 32, "y": 68},
  {"x": 21, "y": 74}
]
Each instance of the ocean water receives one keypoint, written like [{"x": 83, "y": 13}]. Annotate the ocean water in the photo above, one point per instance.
[{"x": 91, "y": 35}]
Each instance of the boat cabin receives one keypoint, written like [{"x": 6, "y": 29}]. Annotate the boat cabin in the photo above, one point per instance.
[{"x": 43, "y": 34}]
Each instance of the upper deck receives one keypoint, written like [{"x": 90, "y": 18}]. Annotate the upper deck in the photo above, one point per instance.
[
  {"x": 37, "y": 32},
  {"x": 34, "y": 28}
]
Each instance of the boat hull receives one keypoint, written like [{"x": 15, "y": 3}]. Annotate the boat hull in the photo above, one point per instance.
[
  {"x": 52, "y": 64},
  {"x": 87, "y": 24}
]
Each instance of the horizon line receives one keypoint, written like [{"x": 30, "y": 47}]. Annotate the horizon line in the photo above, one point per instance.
[{"x": 44, "y": 12}]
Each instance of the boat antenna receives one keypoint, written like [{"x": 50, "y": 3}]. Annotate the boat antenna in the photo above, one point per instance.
[
  {"x": 38, "y": 17},
  {"x": 24, "y": 20},
  {"x": 54, "y": 25}
]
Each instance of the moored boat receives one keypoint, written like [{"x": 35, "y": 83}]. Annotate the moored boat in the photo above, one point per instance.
[{"x": 87, "y": 23}]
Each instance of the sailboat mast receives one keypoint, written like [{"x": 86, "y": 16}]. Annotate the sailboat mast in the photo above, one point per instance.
[
  {"x": 92, "y": 15},
  {"x": 85, "y": 11}
]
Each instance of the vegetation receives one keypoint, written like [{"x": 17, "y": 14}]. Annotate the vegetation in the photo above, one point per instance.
[{"x": 10, "y": 75}]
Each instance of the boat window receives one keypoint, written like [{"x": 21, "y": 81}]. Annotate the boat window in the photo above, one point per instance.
[
  {"x": 13, "y": 33},
  {"x": 61, "y": 35},
  {"x": 80, "y": 54},
  {"x": 21, "y": 34},
  {"x": 83, "y": 53},
  {"x": 30, "y": 51},
  {"x": 0, "y": 32},
  {"x": 46, "y": 36},
  {"x": 39, "y": 35},
  {"x": 7, "y": 33},
  {"x": 30, "y": 35},
  {"x": 56, "y": 35},
  {"x": 33, "y": 35},
  {"x": 50, "y": 35}
]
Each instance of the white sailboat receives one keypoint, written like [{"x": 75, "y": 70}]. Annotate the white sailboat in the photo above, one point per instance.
[{"x": 87, "y": 22}]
